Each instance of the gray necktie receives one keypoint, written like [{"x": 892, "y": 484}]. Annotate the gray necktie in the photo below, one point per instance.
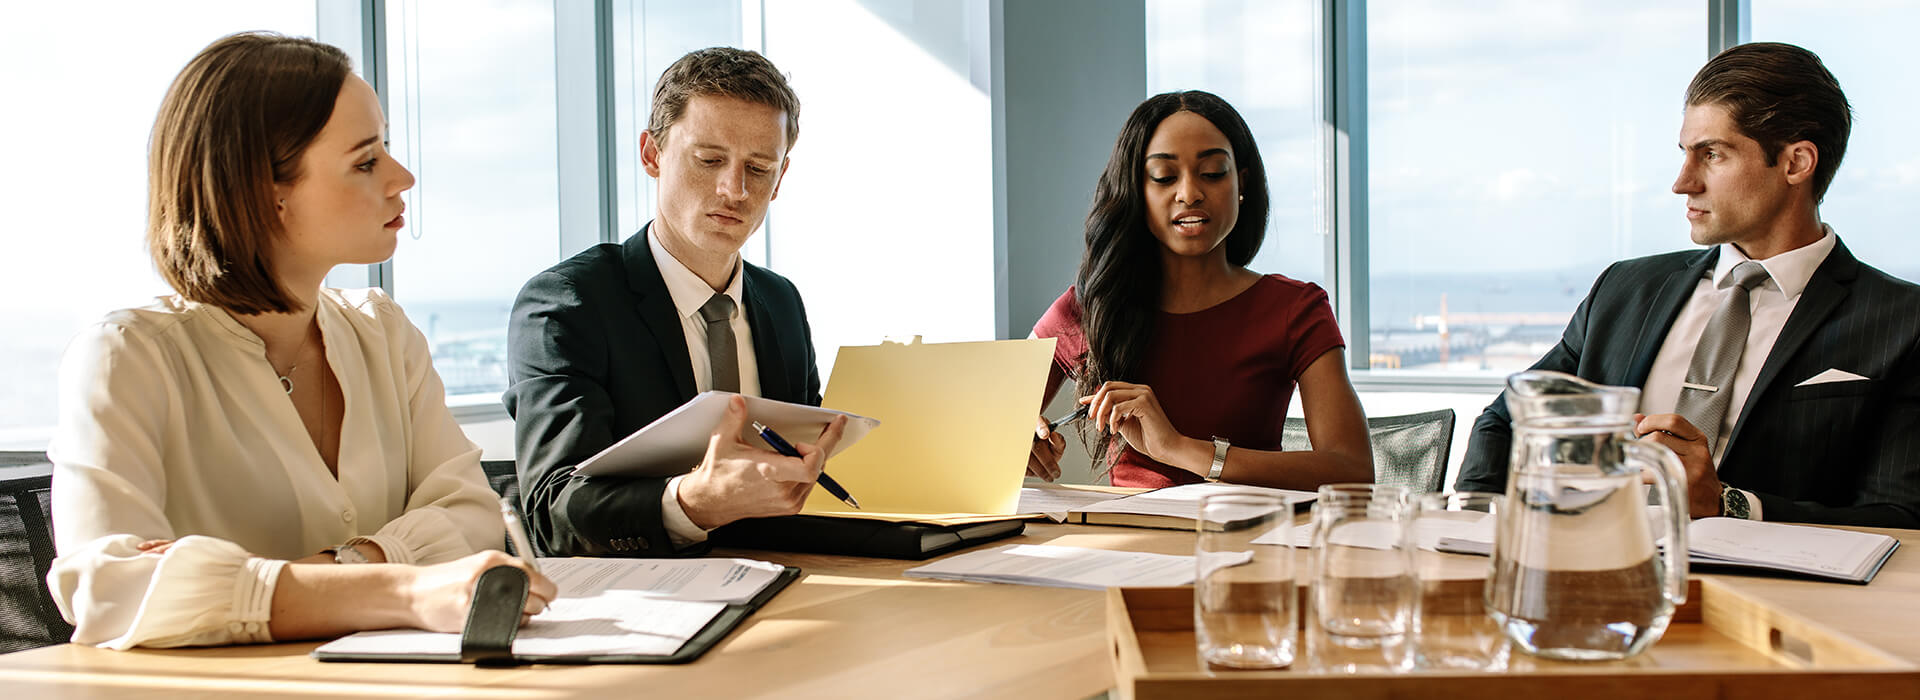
[
  {"x": 1708, "y": 391},
  {"x": 721, "y": 355}
]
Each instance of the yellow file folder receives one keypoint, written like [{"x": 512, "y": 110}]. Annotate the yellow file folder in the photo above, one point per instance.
[{"x": 956, "y": 424}]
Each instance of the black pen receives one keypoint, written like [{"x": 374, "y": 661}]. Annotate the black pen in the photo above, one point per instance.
[
  {"x": 781, "y": 446},
  {"x": 1077, "y": 414}
]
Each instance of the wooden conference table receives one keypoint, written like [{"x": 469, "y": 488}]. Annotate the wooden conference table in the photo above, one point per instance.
[{"x": 850, "y": 628}]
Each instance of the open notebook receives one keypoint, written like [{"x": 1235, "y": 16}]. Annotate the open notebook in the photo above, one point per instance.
[
  {"x": 608, "y": 611},
  {"x": 1846, "y": 556},
  {"x": 1171, "y": 508}
]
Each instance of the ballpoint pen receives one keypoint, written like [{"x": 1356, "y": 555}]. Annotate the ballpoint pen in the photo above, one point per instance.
[
  {"x": 517, "y": 532},
  {"x": 781, "y": 446},
  {"x": 1077, "y": 414}
]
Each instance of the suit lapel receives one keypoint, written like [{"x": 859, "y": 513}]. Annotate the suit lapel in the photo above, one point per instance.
[
  {"x": 1825, "y": 290},
  {"x": 1674, "y": 292},
  {"x": 766, "y": 340},
  {"x": 656, "y": 311}
]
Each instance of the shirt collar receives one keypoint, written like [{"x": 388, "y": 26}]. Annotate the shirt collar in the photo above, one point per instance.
[
  {"x": 1790, "y": 271},
  {"x": 689, "y": 292}
]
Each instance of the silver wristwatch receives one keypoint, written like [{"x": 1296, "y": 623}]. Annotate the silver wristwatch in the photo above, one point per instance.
[
  {"x": 1220, "y": 446},
  {"x": 349, "y": 554}
]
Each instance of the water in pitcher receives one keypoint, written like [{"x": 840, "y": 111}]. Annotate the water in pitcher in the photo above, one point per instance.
[{"x": 1580, "y": 577}]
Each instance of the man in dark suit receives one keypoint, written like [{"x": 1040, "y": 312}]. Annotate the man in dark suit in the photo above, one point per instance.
[
  {"x": 605, "y": 342},
  {"x": 1782, "y": 371}
]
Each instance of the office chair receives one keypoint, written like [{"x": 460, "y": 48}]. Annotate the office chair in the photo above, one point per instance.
[
  {"x": 28, "y": 617},
  {"x": 1409, "y": 450},
  {"x": 505, "y": 481}
]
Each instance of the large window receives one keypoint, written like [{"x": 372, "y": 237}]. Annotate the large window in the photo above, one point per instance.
[
  {"x": 891, "y": 176},
  {"x": 471, "y": 108},
  {"x": 885, "y": 219},
  {"x": 1515, "y": 150},
  {"x": 1258, "y": 55},
  {"x": 77, "y": 119},
  {"x": 1875, "y": 197}
]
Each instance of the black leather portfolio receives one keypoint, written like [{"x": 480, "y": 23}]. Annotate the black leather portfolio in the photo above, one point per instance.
[{"x": 861, "y": 537}]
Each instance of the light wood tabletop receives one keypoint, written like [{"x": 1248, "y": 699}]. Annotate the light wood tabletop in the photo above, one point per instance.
[{"x": 849, "y": 628}]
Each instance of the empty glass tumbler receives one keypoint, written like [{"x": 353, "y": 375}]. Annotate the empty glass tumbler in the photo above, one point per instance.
[
  {"x": 1364, "y": 595},
  {"x": 1245, "y": 606},
  {"x": 1452, "y": 629}
]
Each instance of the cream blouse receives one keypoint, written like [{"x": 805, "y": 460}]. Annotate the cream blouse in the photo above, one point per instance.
[{"x": 174, "y": 426}]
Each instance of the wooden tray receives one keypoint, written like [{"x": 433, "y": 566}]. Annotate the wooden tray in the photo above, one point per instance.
[{"x": 1720, "y": 645}]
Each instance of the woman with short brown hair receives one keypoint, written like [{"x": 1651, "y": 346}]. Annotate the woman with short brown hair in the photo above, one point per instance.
[{"x": 223, "y": 451}]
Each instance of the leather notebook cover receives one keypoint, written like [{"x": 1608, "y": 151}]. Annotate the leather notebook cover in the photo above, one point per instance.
[
  {"x": 495, "y": 618},
  {"x": 861, "y": 537}
]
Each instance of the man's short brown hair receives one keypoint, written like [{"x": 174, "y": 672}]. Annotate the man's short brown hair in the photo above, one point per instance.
[
  {"x": 1779, "y": 94},
  {"x": 234, "y": 123},
  {"x": 726, "y": 72}
]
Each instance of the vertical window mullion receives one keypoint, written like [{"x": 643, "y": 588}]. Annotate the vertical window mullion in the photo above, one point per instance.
[
  {"x": 1729, "y": 24},
  {"x": 1342, "y": 100},
  {"x": 359, "y": 27}
]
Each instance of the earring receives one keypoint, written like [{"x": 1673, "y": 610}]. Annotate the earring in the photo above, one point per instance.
[{"x": 1242, "y": 198}]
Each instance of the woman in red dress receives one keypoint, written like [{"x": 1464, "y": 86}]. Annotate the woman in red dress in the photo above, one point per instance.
[{"x": 1172, "y": 343}]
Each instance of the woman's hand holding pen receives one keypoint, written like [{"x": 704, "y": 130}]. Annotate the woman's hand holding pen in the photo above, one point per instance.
[
  {"x": 441, "y": 594},
  {"x": 1048, "y": 445},
  {"x": 740, "y": 480},
  {"x": 1134, "y": 412}
]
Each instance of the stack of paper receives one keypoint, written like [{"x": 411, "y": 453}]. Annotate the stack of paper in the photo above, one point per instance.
[
  {"x": 1174, "y": 507},
  {"x": 1057, "y": 503},
  {"x": 1061, "y": 567}
]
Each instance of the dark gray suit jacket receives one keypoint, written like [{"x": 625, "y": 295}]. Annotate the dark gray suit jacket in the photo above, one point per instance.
[
  {"x": 596, "y": 351},
  {"x": 1841, "y": 452}
]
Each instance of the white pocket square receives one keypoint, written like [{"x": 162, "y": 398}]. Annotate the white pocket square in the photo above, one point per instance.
[{"x": 1831, "y": 376}]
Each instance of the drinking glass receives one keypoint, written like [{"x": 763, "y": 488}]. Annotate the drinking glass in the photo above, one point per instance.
[
  {"x": 1245, "y": 607},
  {"x": 1453, "y": 630},
  {"x": 1364, "y": 594}
]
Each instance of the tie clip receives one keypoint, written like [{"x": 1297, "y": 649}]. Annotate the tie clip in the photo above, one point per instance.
[{"x": 1702, "y": 387}]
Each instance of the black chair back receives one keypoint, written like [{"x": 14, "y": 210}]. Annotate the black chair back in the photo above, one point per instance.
[
  {"x": 1409, "y": 450},
  {"x": 505, "y": 480},
  {"x": 28, "y": 617}
]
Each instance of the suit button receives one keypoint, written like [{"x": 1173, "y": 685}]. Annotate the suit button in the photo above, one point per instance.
[
  {"x": 346, "y": 515},
  {"x": 639, "y": 543}
]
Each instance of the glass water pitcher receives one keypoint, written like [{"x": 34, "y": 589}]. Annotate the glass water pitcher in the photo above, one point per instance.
[{"x": 1577, "y": 571}]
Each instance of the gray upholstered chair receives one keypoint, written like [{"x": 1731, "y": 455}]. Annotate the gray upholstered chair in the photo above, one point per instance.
[
  {"x": 1409, "y": 450},
  {"x": 28, "y": 617}
]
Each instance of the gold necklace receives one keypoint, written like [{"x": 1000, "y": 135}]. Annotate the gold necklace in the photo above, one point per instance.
[{"x": 286, "y": 378}]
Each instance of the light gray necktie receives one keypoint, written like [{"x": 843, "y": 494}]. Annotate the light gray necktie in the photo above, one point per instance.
[
  {"x": 1708, "y": 391},
  {"x": 721, "y": 355}
]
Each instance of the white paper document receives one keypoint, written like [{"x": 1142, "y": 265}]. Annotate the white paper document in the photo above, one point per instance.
[
  {"x": 1055, "y": 503},
  {"x": 676, "y": 442},
  {"x": 1061, "y": 567},
  {"x": 1428, "y": 533},
  {"x": 605, "y": 606},
  {"x": 1184, "y": 501}
]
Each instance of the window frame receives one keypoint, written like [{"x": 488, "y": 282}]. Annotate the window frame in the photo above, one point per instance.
[{"x": 589, "y": 175}]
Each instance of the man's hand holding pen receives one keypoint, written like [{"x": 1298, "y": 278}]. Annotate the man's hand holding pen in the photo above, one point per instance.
[{"x": 740, "y": 480}]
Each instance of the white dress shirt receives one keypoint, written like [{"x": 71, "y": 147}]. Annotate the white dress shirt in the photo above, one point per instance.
[
  {"x": 173, "y": 426},
  {"x": 689, "y": 293},
  {"x": 1771, "y": 303}
]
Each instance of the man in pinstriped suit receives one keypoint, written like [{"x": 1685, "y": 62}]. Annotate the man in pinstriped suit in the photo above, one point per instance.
[{"x": 1819, "y": 408}]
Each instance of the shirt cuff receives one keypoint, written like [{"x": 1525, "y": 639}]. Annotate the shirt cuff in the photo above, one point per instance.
[
  {"x": 680, "y": 528},
  {"x": 1753, "y": 504},
  {"x": 253, "y": 601}
]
